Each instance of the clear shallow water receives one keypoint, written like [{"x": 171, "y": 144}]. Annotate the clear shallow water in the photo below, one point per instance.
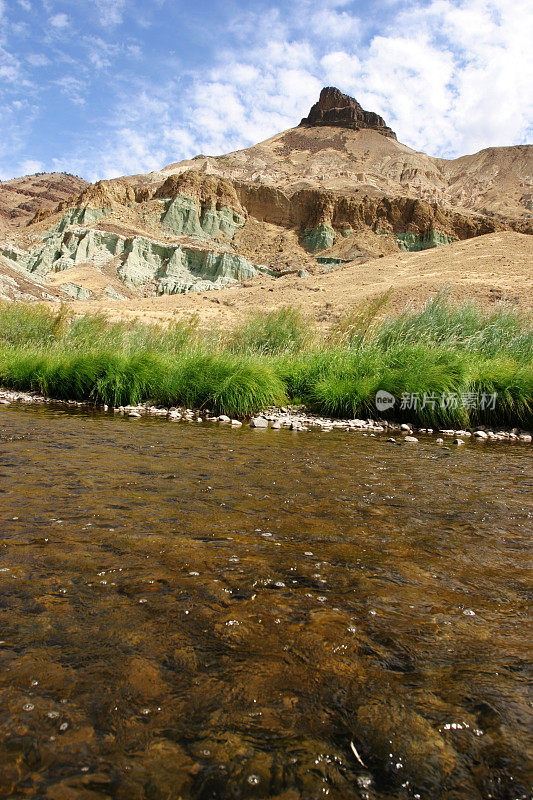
[{"x": 200, "y": 612}]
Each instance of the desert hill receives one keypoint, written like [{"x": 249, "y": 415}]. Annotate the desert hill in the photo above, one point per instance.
[
  {"x": 488, "y": 269},
  {"x": 343, "y": 157},
  {"x": 22, "y": 198},
  {"x": 334, "y": 193}
]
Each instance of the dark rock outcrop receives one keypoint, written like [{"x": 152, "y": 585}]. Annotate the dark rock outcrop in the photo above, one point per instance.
[{"x": 341, "y": 111}]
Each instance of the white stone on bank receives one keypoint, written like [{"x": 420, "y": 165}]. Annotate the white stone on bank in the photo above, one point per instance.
[{"x": 258, "y": 422}]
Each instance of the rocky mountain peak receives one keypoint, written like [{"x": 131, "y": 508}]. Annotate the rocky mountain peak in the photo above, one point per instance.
[{"x": 342, "y": 111}]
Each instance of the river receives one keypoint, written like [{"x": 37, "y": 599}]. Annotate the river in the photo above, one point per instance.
[{"x": 193, "y": 611}]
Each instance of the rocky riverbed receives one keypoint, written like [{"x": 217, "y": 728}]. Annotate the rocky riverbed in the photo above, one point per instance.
[{"x": 204, "y": 612}]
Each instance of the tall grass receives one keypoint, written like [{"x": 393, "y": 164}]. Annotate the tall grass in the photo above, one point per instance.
[
  {"x": 282, "y": 331},
  {"x": 465, "y": 326},
  {"x": 21, "y": 325},
  {"x": 357, "y": 323},
  {"x": 460, "y": 352}
]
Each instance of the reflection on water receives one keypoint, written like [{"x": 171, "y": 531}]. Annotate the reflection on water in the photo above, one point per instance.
[{"x": 199, "y": 612}]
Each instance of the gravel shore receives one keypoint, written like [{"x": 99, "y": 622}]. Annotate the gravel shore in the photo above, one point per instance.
[{"x": 288, "y": 417}]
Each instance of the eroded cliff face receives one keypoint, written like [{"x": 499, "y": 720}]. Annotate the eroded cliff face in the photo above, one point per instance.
[
  {"x": 189, "y": 221},
  {"x": 180, "y": 235},
  {"x": 161, "y": 267},
  {"x": 337, "y": 189},
  {"x": 322, "y": 217}
]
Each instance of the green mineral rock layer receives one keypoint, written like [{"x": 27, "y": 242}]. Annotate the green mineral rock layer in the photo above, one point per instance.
[
  {"x": 184, "y": 216},
  {"x": 75, "y": 291},
  {"x": 319, "y": 238},
  {"x": 176, "y": 269},
  {"x": 413, "y": 243},
  {"x": 329, "y": 260},
  {"x": 171, "y": 268},
  {"x": 80, "y": 216}
]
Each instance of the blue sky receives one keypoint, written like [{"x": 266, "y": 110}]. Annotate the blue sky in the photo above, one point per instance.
[{"x": 103, "y": 88}]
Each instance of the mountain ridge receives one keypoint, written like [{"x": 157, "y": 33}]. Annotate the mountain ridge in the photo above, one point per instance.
[{"x": 316, "y": 196}]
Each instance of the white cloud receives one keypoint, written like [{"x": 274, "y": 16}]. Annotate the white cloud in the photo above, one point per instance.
[
  {"x": 73, "y": 88},
  {"x": 10, "y": 68},
  {"x": 251, "y": 25},
  {"x": 334, "y": 25},
  {"x": 100, "y": 52},
  {"x": 285, "y": 54},
  {"x": 341, "y": 68},
  {"x": 407, "y": 80},
  {"x": 3, "y": 22},
  {"x": 110, "y": 12},
  {"x": 38, "y": 59},
  {"x": 30, "y": 166},
  {"x": 464, "y": 82},
  {"x": 59, "y": 21}
]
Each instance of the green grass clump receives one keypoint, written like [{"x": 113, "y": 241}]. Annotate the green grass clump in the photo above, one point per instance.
[
  {"x": 92, "y": 376},
  {"x": 281, "y": 331},
  {"x": 221, "y": 381},
  {"x": 466, "y": 326},
  {"x": 342, "y": 382},
  {"x": 463, "y": 353}
]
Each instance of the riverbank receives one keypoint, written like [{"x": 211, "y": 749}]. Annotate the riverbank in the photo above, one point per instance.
[
  {"x": 442, "y": 367},
  {"x": 285, "y": 418}
]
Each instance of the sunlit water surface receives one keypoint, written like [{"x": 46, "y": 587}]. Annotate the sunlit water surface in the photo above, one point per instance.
[{"x": 191, "y": 611}]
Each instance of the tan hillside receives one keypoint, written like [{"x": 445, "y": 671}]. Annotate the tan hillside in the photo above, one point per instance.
[
  {"x": 334, "y": 193},
  {"x": 495, "y": 181},
  {"x": 491, "y": 268}
]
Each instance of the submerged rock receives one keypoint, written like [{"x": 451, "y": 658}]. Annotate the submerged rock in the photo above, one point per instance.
[{"x": 391, "y": 735}]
